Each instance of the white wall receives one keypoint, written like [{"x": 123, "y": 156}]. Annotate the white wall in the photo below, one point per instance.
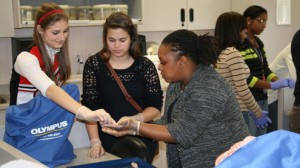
[
  {"x": 275, "y": 37},
  {"x": 296, "y": 15}
]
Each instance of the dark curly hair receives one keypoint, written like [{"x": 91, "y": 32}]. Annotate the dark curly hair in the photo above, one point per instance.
[{"x": 200, "y": 49}]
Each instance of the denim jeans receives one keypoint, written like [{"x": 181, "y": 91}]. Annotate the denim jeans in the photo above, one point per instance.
[{"x": 254, "y": 131}]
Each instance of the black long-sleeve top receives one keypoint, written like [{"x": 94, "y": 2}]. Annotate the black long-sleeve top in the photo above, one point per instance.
[
  {"x": 100, "y": 90},
  {"x": 259, "y": 68},
  {"x": 295, "y": 50}
]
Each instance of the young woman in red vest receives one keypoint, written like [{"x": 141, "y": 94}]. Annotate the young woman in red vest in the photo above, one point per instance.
[{"x": 46, "y": 66}]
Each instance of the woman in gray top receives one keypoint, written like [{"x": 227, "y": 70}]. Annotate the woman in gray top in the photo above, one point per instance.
[{"x": 202, "y": 116}]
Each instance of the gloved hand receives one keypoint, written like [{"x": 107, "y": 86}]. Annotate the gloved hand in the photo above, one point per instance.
[
  {"x": 262, "y": 121},
  {"x": 96, "y": 149},
  {"x": 137, "y": 117},
  {"x": 292, "y": 83},
  {"x": 284, "y": 82},
  {"x": 127, "y": 127},
  {"x": 100, "y": 115}
]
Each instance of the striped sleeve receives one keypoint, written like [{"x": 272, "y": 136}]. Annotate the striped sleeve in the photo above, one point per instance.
[{"x": 238, "y": 71}]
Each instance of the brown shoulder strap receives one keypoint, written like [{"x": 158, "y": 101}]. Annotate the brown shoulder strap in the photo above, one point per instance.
[{"x": 126, "y": 94}]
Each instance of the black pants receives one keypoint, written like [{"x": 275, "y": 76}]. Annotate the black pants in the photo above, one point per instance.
[{"x": 273, "y": 115}]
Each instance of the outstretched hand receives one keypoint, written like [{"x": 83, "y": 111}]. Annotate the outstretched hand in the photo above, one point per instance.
[
  {"x": 127, "y": 127},
  {"x": 100, "y": 115}
]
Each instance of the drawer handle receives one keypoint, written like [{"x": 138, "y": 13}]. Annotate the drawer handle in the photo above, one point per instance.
[{"x": 191, "y": 14}]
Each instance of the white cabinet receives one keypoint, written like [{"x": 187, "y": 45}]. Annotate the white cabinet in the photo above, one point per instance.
[
  {"x": 169, "y": 15},
  {"x": 206, "y": 12},
  {"x": 6, "y": 17},
  {"x": 83, "y": 42},
  {"x": 160, "y": 15},
  {"x": 80, "y": 11}
]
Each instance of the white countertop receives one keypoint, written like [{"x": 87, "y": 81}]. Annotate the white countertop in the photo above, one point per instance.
[
  {"x": 82, "y": 158},
  {"x": 81, "y": 153},
  {"x": 16, "y": 153}
]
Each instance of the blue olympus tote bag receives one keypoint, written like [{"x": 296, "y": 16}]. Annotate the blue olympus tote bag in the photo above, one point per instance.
[{"x": 40, "y": 128}]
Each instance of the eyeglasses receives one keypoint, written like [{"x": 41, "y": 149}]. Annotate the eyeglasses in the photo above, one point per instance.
[{"x": 261, "y": 20}]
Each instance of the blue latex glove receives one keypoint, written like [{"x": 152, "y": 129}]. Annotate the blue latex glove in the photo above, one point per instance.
[
  {"x": 292, "y": 83},
  {"x": 263, "y": 121},
  {"x": 284, "y": 82}
]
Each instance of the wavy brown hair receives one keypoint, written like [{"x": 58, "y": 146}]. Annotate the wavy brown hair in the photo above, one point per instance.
[
  {"x": 229, "y": 25},
  {"x": 63, "y": 54},
  {"x": 123, "y": 21}
]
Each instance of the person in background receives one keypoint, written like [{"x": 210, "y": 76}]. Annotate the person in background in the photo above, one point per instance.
[
  {"x": 294, "y": 116},
  {"x": 202, "y": 117},
  {"x": 283, "y": 67},
  {"x": 137, "y": 73},
  {"x": 46, "y": 66},
  {"x": 230, "y": 33},
  {"x": 261, "y": 77}
]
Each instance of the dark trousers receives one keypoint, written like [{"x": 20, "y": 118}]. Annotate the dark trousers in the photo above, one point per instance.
[{"x": 273, "y": 115}]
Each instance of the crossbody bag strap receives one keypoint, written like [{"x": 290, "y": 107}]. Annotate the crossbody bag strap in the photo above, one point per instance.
[{"x": 126, "y": 94}]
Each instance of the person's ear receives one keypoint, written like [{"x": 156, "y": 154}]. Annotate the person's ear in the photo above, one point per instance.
[
  {"x": 248, "y": 20},
  {"x": 39, "y": 29},
  {"x": 183, "y": 60}
]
